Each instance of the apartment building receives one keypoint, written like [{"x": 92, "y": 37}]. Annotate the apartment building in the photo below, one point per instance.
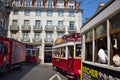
[
  {"x": 39, "y": 22},
  {"x": 4, "y": 18}
]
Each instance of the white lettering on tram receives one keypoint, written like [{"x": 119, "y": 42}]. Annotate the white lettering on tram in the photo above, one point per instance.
[{"x": 56, "y": 75}]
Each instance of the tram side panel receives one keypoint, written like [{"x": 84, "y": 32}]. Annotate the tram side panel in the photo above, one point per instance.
[
  {"x": 77, "y": 66},
  {"x": 93, "y": 72},
  {"x": 60, "y": 63}
]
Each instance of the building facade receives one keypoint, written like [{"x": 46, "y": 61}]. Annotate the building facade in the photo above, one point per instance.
[
  {"x": 39, "y": 22},
  {"x": 4, "y": 18}
]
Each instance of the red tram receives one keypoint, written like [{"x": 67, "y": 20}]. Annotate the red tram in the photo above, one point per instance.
[{"x": 67, "y": 55}]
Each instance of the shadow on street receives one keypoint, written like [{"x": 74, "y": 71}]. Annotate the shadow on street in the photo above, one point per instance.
[{"x": 15, "y": 74}]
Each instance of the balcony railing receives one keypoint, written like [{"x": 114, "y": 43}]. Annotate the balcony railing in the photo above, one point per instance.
[
  {"x": 26, "y": 27},
  {"x": 14, "y": 27},
  {"x": 49, "y": 28},
  {"x": 25, "y": 40},
  {"x": 71, "y": 28},
  {"x": 60, "y": 28},
  {"x": 37, "y": 40},
  {"x": 37, "y": 28},
  {"x": 48, "y": 40}
]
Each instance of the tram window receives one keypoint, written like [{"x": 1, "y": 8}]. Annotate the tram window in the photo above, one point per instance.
[
  {"x": 115, "y": 49},
  {"x": 100, "y": 30},
  {"x": 115, "y": 22},
  {"x": 70, "y": 51},
  {"x": 78, "y": 50},
  {"x": 89, "y": 51},
  {"x": 101, "y": 55},
  {"x": 63, "y": 52}
]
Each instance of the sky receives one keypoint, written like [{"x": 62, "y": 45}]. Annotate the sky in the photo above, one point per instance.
[{"x": 89, "y": 7}]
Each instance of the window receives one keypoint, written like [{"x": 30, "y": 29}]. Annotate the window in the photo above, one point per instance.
[
  {"x": 101, "y": 43},
  {"x": 101, "y": 30},
  {"x": 60, "y": 23},
  {"x": 17, "y": 4},
  {"x": 89, "y": 46},
  {"x": 115, "y": 22},
  {"x": 60, "y": 4},
  {"x": 115, "y": 40},
  {"x": 71, "y": 24},
  {"x": 71, "y": 5},
  {"x": 59, "y": 34},
  {"x": 49, "y": 23},
  {"x": 49, "y": 4},
  {"x": 14, "y": 22},
  {"x": 26, "y": 23},
  {"x": 60, "y": 13},
  {"x": 78, "y": 50},
  {"x": 49, "y": 36},
  {"x": 13, "y": 35},
  {"x": 27, "y": 4},
  {"x": 2, "y": 22},
  {"x": 37, "y": 35},
  {"x": 26, "y": 12},
  {"x": 25, "y": 36},
  {"x": 15, "y": 12},
  {"x": 71, "y": 51},
  {"x": 38, "y": 13},
  {"x": 71, "y": 13},
  {"x": 115, "y": 49},
  {"x": 49, "y": 13},
  {"x": 37, "y": 23},
  {"x": 39, "y": 4}
]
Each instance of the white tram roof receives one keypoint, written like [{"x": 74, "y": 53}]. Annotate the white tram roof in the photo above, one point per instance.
[{"x": 66, "y": 44}]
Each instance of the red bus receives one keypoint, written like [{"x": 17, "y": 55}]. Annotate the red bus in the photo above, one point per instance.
[{"x": 67, "y": 55}]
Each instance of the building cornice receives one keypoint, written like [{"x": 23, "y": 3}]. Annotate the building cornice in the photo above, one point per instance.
[{"x": 35, "y": 8}]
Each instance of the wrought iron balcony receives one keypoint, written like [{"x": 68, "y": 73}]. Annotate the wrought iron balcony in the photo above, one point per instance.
[
  {"x": 60, "y": 28},
  {"x": 14, "y": 27},
  {"x": 26, "y": 27},
  {"x": 49, "y": 28},
  {"x": 37, "y": 28},
  {"x": 37, "y": 39}
]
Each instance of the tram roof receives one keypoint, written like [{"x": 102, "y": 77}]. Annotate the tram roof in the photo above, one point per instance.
[{"x": 66, "y": 44}]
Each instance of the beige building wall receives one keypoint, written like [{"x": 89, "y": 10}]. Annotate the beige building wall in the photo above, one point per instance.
[{"x": 20, "y": 17}]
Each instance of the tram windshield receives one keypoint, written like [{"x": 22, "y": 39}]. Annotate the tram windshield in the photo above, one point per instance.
[{"x": 70, "y": 51}]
